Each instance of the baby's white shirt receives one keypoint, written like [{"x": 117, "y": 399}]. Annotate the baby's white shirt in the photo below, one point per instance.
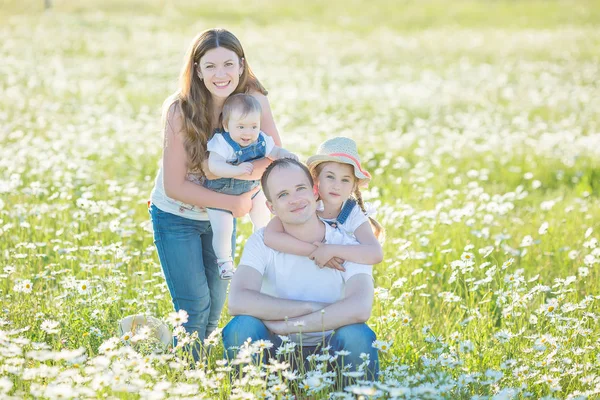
[{"x": 219, "y": 145}]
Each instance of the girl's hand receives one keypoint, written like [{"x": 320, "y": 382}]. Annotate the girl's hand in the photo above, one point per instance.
[
  {"x": 242, "y": 204},
  {"x": 324, "y": 257},
  {"x": 336, "y": 263}
]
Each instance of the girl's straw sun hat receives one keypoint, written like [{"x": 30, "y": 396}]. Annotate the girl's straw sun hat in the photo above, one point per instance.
[{"x": 342, "y": 150}]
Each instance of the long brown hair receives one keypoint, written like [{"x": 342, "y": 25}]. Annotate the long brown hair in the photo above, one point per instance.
[
  {"x": 378, "y": 229},
  {"x": 193, "y": 99}
]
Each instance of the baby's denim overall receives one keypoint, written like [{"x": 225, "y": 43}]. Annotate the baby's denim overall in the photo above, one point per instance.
[{"x": 232, "y": 186}]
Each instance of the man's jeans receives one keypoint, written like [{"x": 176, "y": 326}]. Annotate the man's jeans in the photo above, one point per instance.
[{"x": 355, "y": 338}]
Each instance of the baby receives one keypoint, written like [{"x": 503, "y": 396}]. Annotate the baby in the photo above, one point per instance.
[{"x": 230, "y": 156}]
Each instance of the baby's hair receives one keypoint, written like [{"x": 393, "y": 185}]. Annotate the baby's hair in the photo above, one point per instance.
[
  {"x": 241, "y": 103},
  {"x": 378, "y": 229}
]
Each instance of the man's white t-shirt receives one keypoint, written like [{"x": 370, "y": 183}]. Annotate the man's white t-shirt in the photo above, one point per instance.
[
  {"x": 356, "y": 218},
  {"x": 219, "y": 145},
  {"x": 288, "y": 276}
]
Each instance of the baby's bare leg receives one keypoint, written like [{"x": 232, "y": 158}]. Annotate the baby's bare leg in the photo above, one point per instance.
[
  {"x": 222, "y": 227},
  {"x": 260, "y": 214}
]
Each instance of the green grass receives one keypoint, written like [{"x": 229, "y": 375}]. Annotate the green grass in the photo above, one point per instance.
[
  {"x": 477, "y": 119},
  {"x": 355, "y": 15}
]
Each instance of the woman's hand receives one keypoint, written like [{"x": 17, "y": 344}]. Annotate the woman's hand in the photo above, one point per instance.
[
  {"x": 286, "y": 154},
  {"x": 242, "y": 204}
]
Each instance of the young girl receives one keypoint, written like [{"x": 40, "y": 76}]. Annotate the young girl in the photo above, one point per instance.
[
  {"x": 338, "y": 177},
  {"x": 230, "y": 156}
]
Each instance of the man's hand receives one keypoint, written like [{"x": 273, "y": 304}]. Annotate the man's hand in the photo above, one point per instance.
[
  {"x": 246, "y": 168},
  {"x": 285, "y": 327},
  {"x": 324, "y": 257},
  {"x": 277, "y": 327}
]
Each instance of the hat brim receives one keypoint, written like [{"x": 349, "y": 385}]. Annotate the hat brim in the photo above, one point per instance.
[
  {"x": 132, "y": 323},
  {"x": 313, "y": 161}
]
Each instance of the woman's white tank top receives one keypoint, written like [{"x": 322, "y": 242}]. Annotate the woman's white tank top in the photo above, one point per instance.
[{"x": 159, "y": 198}]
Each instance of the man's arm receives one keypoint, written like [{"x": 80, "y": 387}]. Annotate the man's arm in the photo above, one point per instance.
[
  {"x": 245, "y": 298},
  {"x": 354, "y": 308}
]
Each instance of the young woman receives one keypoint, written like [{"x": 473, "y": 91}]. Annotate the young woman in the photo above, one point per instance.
[{"x": 215, "y": 67}]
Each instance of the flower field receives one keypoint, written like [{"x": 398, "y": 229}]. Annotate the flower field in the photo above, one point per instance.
[{"x": 479, "y": 121}]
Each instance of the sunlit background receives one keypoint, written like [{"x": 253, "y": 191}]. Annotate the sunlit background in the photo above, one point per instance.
[{"x": 478, "y": 119}]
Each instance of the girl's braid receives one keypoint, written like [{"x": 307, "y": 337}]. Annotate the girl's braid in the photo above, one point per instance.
[{"x": 378, "y": 230}]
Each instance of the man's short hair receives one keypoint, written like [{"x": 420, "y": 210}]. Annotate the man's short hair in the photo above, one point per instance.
[{"x": 283, "y": 163}]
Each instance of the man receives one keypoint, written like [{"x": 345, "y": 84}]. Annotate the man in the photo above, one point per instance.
[{"x": 274, "y": 293}]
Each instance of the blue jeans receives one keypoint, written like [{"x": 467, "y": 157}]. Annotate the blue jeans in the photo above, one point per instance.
[
  {"x": 230, "y": 186},
  {"x": 355, "y": 338},
  {"x": 190, "y": 267}
]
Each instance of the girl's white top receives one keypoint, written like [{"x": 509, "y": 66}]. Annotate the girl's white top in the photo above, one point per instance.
[
  {"x": 160, "y": 199},
  {"x": 356, "y": 218}
]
